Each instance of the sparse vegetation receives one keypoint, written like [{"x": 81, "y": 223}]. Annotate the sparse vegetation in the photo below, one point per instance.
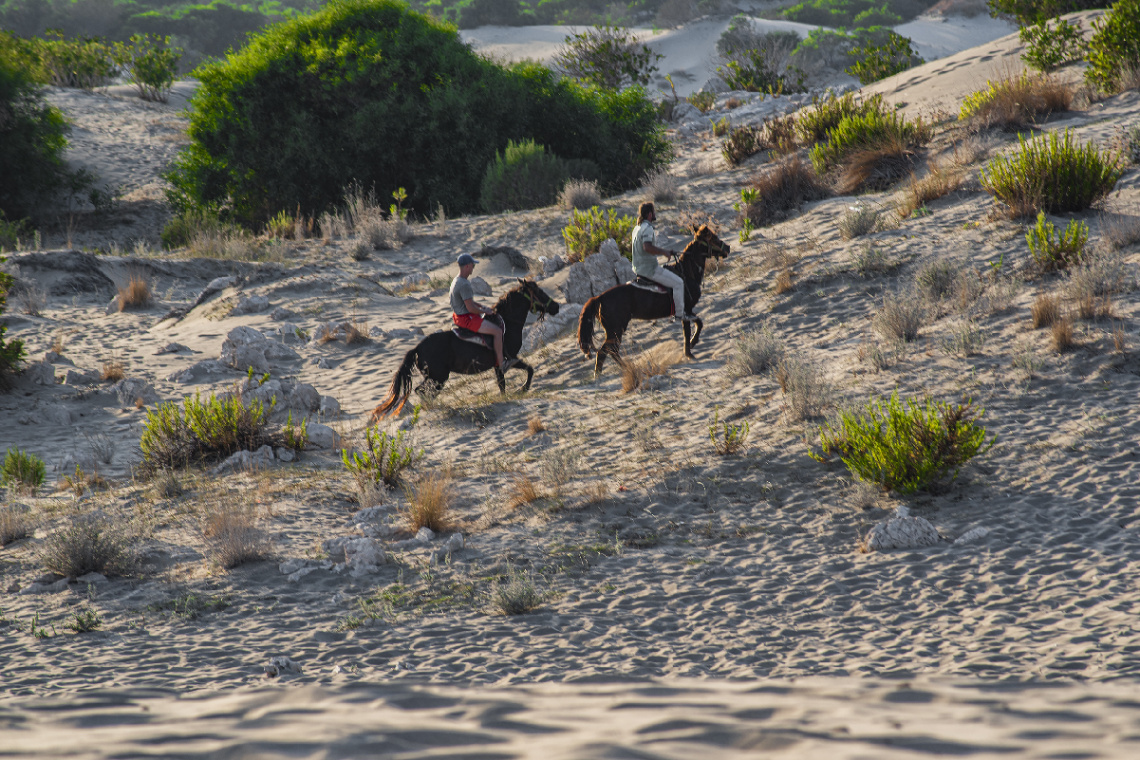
[
  {"x": 781, "y": 190},
  {"x": 522, "y": 491},
  {"x": 16, "y": 522},
  {"x": 1051, "y": 173},
  {"x": 233, "y": 536},
  {"x": 579, "y": 194},
  {"x": 1015, "y": 102},
  {"x": 1046, "y": 310},
  {"x": 858, "y": 221},
  {"x": 900, "y": 317},
  {"x": 940, "y": 180},
  {"x": 386, "y": 458},
  {"x": 742, "y": 143},
  {"x": 135, "y": 294},
  {"x": 22, "y": 471},
  {"x": 90, "y": 543},
  {"x": 807, "y": 391},
  {"x": 84, "y": 620},
  {"x": 516, "y": 593},
  {"x": 662, "y": 187},
  {"x": 429, "y": 504},
  {"x": 906, "y": 448},
  {"x": 754, "y": 353},
  {"x": 1052, "y": 251},
  {"x": 727, "y": 438},
  {"x": 1063, "y": 335}
]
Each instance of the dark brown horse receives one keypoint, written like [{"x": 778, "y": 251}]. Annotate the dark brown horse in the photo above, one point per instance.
[
  {"x": 618, "y": 305},
  {"x": 441, "y": 353}
]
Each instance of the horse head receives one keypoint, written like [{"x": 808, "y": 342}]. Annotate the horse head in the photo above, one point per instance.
[
  {"x": 540, "y": 303},
  {"x": 713, "y": 246}
]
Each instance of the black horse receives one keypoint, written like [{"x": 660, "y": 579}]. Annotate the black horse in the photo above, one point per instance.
[
  {"x": 441, "y": 353},
  {"x": 618, "y": 305}
]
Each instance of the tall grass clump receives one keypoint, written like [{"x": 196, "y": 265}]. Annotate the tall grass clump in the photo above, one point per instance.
[
  {"x": 755, "y": 352},
  {"x": 588, "y": 229},
  {"x": 1014, "y": 102},
  {"x": 386, "y": 457},
  {"x": 22, "y": 471},
  {"x": 906, "y": 447},
  {"x": 15, "y": 523},
  {"x": 523, "y": 176},
  {"x": 872, "y": 130},
  {"x": 90, "y": 543},
  {"x": 1054, "y": 251},
  {"x": 373, "y": 91},
  {"x": 1114, "y": 50},
  {"x": 134, "y": 295},
  {"x": 428, "y": 504},
  {"x": 203, "y": 431},
  {"x": 812, "y": 125},
  {"x": 233, "y": 536},
  {"x": 1051, "y": 173}
]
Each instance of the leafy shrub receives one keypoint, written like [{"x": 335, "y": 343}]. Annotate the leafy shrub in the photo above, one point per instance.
[
  {"x": 84, "y": 620},
  {"x": 32, "y": 141},
  {"x": 1015, "y": 101},
  {"x": 371, "y": 91},
  {"x": 1049, "y": 47},
  {"x": 855, "y": 13},
  {"x": 607, "y": 56},
  {"x": 203, "y": 431},
  {"x": 91, "y": 543},
  {"x": 755, "y": 352},
  {"x": 781, "y": 190},
  {"x": 867, "y": 131},
  {"x": 386, "y": 458},
  {"x": 1051, "y": 173},
  {"x": 1052, "y": 252},
  {"x": 22, "y": 471},
  {"x": 761, "y": 71},
  {"x": 83, "y": 62},
  {"x": 742, "y": 142},
  {"x": 875, "y": 62},
  {"x": 726, "y": 437},
  {"x": 11, "y": 351},
  {"x": 906, "y": 448},
  {"x": 1031, "y": 11},
  {"x": 588, "y": 229},
  {"x": 149, "y": 63},
  {"x": 1114, "y": 49},
  {"x": 703, "y": 101},
  {"x": 523, "y": 176},
  {"x": 813, "y": 125}
]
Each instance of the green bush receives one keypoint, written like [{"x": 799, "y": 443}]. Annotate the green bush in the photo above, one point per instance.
[
  {"x": 368, "y": 90},
  {"x": 203, "y": 431},
  {"x": 742, "y": 142},
  {"x": 32, "y": 141},
  {"x": 879, "y": 61},
  {"x": 1114, "y": 50},
  {"x": 386, "y": 458},
  {"x": 83, "y": 62},
  {"x": 1032, "y": 11},
  {"x": 607, "y": 56},
  {"x": 759, "y": 70},
  {"x": 906, "y": 448},
  {"x": 855, "y": 13},
  {"x": 813, "y": 125},
  {"x": 523, "y": 176},
  {"x": 1052, "y": 174},
  {"x": 1049, "y": 47},
  {"x": 1053, "y": 252},
  {"x": 149, "y": 63},
  {"x": 867, "y": 131},
  {"x": 22, "y": 471},
  {"x": 11, "y": 351},
  {"x": 703, "y": 101},
  {"x": 588, "y": 229}
]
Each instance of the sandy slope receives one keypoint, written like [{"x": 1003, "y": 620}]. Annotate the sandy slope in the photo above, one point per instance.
[{"x": 659, "y": 559}]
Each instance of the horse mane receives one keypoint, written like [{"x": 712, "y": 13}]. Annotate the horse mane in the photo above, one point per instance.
[
  {"x": 517, "y": 288},
  {"x": 697, "y": 234}
]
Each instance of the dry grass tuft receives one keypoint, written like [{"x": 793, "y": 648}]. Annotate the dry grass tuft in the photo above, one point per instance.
[
  {"x": 755, "y": 352},
  {"x": 1016, "y": 100},
  {"x": 429, "y": 504},
  {"x": 522, "y": 491},
  {"x": 31, "y": 300},
  {"x": 535, "y": 425},
  {"x": 858, "y": 221},
  {"x": 135, "y": 294},
  {"x": 900, "y": 317},
  {"x": 807, "y": 391},
  {"x": 233, "y": 536},
  {"x": 783, "y": 281},
  {"x": 1120, "y": 230},
  {"x": 1046, "y": 310},
  {"x": 875, "y": 168},
  {"x": 15, "y": 523},
  {"x": 1119, "y": 339},
  {"x": 1094, "y": 307},
  {"x": 1063, "y": 335},
  {"x": 662, "y": 187},
  {"x": 939, "y": 181},
  {"x": 356, "y": 332},
  {"x": 91, "y": 543},
  {"x": 579, "y": 194},
  {"x": 782, "y": 189},
  {"x": 637, "y": 369},
  {"x": 113, "y": 371}
]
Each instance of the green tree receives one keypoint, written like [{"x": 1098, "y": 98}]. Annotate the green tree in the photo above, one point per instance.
[
  {"x": 1029, "y": 12},
  {"x": 608, "y": 57},
  {"x": 11, "y": 351},
  {"x": 1115, "y": 46},
  {"x": 874, "y": 62}
]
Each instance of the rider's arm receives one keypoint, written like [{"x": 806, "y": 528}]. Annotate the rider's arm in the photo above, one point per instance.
[
  {"x": 654, "y": 250},
  {"x": 475, "y": 308}
]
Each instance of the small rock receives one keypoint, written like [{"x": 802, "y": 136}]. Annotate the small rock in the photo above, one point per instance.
[
  {"x": 60, "y": 415},
  {"x": 51, "y": 357},
  {"x": 278, "y": 665},
  {"x": 82, "y": 377},
  {"x": 329, "y": 406},
  {"x": 246, "y": 460},
  {"x": 280, "y": 314},
  {"x": 425, "y": 535},
  {"x": 902, "y": 533},
  {"x": 250, "y": 305},
  {"x": 131, "y": 389},
  {"x": 40, "y": 373},
  {"x": 92, "y": 578},
  {"x": 46, "y": 588},
  {"x": 321, "y": 362},
  {"x": 195, "y": 371},
  {"x": 972, "y": 535},
  {"x": 480, "y": 286},
  {"x": 322, "y": 436},
  {"x": 376, "y": 332},
  {"x": 172, "y": 348},
  {"x": 285, "y": 454}
]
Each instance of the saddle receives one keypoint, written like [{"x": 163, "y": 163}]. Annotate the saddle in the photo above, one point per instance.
[
  {"x": 647, "y": 284},
  {"x": 479, "y": 339}
]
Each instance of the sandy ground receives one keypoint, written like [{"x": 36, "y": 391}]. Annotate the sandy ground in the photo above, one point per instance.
[{"x": 691, "y": 603}]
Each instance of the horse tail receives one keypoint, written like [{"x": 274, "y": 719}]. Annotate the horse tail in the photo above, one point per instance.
[
  {"x": 399, "y": 390},
  {"x": 586, "y": 325}
]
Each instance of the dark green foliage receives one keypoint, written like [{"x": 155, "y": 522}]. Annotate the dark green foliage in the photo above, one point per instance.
[
  {"x": 149, "y": 63},
  {"x": 906, "y": 448},
  {"x": 741, "y": 143},
  {"x": 22, "y": 471},
  {"x": 32, "y": 140},
  {"x": 11, "y": 351},
  {"x": 855, "y": 13},
  {"x": 609, "y": 57},
  {"x": 869, "y": 130},
  {"x": 875, "y": 62},
  {"x": 1050, "y": 47},
  {"x": 83, "y": 62},
  {"x": 1032, "y": 11},
  {"x": 523, "y": 176},
  {"x": 1051, "y": 173},
  {"x": 366, "y": 90},
  {"x": 813, "y": 125},
  {"x": 1114, "y": 49},
  {"x": 202, "y": 431},
  {"x": 386, "y": 458}
]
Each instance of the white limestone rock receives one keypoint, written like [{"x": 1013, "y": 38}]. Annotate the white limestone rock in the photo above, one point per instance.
[
  {"x": 600, "y": 267},
  {"x": 130, "y": 389},
  {"x": 322, "y": 436},
  {"x": 278, "y": 665},
  {"x": 250, "y": 305},
  {"x": 197, "y": 371},
  {"x": 172, "y": 348},
  {"x": 246, "y": 460},
  {"x": 82, "y": 377},
  {"x": 902, "y": 533},
  {"x": 280, "y": 314},
  {"x": 330, "y": 407},
  {"x": 479, "y": 285},
  {"x": 40, "y": 373},
  {"x": 537, "y": 335},
  {"x": 577, "y": 288},
  {"x": 285, "y": 454},
  {"x": 972, "y": 536}
]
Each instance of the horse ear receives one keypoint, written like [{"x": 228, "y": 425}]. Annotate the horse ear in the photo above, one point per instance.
[{"x": 522, "y": 280}]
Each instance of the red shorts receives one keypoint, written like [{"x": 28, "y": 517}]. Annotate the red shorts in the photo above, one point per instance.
[{"x": 470, "y": 322}]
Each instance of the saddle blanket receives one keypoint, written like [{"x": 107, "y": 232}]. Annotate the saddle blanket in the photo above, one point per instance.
[
  {"x": 647, "y": 284},
  {"x": 479, "y": 339}
]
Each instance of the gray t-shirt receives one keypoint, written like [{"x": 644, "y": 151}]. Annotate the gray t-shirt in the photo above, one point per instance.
[
  {"x": 461, "y": 290},
  {"x": 644, "y": 264}
]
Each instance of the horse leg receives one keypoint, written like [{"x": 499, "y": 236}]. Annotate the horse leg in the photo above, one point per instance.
[
  {"x": 687, "y": 327},
  {"x": 697, "y": 335},
  {"x": 501, "y": 381},
  {"x": 432, "y": 384},
  {"x": 520, "y": 364}
]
